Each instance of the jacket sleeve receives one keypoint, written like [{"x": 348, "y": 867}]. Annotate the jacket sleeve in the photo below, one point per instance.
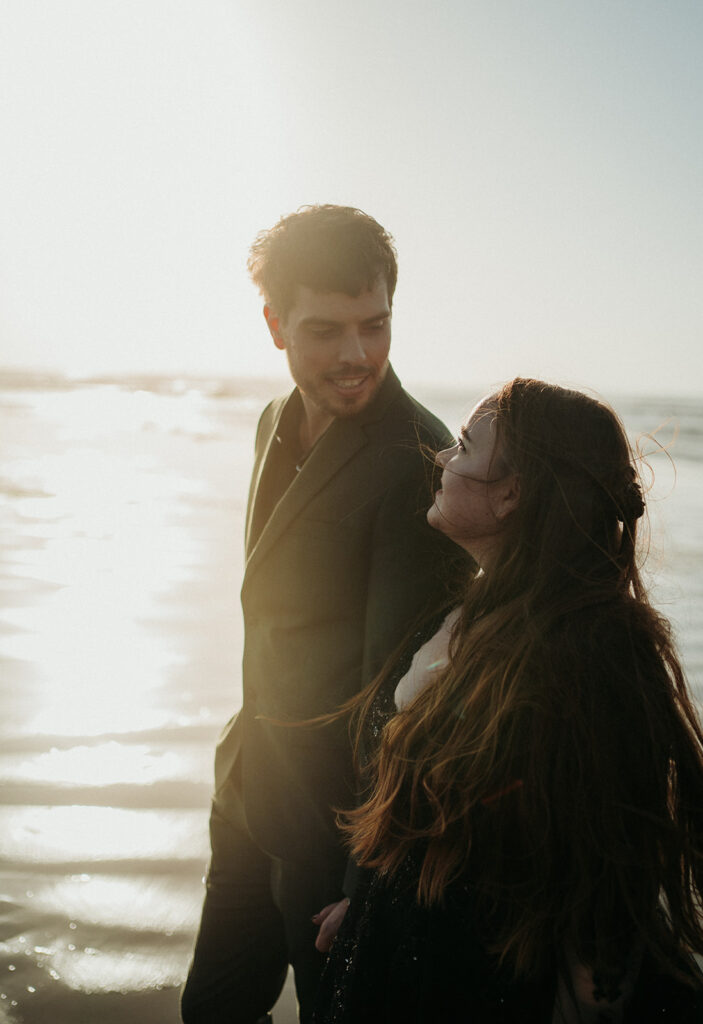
[{"x": 413, "y": 571}]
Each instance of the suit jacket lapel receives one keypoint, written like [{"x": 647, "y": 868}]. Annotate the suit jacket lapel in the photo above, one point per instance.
[
  {"x": 336, "y": 447},
  {"x": 258, "y": 470}
]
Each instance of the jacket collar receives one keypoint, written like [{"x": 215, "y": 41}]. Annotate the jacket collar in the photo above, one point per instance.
[{"x": 340, "y": 442}]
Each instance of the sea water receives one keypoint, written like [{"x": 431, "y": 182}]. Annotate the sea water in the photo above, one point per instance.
[{"x": 121, "y": 513}]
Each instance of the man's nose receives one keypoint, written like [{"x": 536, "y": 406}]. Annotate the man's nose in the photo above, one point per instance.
[{"x": 352, "y": 348}]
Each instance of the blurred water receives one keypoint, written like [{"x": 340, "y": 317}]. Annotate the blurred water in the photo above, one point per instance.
[
  {"x": 120, "y": 639},
  {"x": 121, "y": 555}
]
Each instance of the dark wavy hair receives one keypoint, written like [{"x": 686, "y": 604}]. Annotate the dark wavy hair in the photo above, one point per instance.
[
  {"x": 557, "y": 762},
  {"x": 327, "y": 248}
]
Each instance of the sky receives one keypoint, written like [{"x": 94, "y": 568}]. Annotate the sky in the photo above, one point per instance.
[{"x": 540, "y": 165}]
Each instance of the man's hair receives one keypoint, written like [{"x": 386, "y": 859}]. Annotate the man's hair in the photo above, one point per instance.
[{"x": 327, "y": 248}]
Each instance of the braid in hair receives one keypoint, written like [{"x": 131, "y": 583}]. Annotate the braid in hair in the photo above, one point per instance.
[{"x": 629, "y": 503}]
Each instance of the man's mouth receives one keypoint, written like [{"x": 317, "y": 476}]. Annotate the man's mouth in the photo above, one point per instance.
[{"x": 349, "y": 383}]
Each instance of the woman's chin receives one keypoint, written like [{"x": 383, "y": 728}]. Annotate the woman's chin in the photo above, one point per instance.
[
  {"x": 433, "y": 517},
  {"x": 439, "y": 522}
]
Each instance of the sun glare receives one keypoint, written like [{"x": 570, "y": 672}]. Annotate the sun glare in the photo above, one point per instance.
[
  {"x": 105, "y": 540},
  {"x": 68, "y": 835},
  {"x": 110, "y": 764}
]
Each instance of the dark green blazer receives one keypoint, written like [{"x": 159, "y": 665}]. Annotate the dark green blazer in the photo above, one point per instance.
[{"x": 332, "y": 584}]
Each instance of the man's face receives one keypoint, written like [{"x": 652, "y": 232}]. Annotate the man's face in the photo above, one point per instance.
[{"x": 337, "y": 346}]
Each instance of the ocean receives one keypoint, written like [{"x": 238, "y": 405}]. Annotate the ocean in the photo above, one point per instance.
[{"x": 121, "y": 556}]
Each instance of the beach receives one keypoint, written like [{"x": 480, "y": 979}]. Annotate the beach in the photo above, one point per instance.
[{"x": 120, "y": 645}]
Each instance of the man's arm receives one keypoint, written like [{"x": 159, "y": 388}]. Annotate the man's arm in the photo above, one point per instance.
[{"x": 414, "y": 572}]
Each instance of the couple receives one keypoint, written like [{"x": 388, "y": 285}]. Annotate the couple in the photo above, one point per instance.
[{"x": 525, "y": 824}]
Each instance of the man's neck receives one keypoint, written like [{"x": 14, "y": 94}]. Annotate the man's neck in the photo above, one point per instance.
[{"x": 313, "y": 423}]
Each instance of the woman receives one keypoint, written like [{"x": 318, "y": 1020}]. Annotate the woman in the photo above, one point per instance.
[{"x": 533, "y": 819}]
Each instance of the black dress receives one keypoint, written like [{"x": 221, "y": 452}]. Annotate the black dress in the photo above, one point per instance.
[{"x": 397, "y": 962}]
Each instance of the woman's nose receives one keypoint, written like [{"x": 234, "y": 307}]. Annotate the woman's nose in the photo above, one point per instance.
[{"x": 441, "y": 458}]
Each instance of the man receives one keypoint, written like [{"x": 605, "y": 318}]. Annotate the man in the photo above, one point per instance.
[{"x": 340, "y": 562}]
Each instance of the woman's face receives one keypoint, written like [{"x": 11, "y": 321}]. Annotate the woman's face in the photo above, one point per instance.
[{"x": 476, "y": 491}]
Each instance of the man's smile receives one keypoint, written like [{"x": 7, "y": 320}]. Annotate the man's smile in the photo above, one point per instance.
[{"x": 350, "y": 384}]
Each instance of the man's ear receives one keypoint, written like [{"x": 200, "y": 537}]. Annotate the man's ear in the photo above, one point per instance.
[
  {"x": 508, "y": 497},
  {"x": 273, "y": 324}
]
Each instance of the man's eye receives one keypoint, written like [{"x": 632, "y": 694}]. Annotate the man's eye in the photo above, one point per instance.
[
  {"x": 377, "y": 325},
  {"x": 323, "y": 333}
]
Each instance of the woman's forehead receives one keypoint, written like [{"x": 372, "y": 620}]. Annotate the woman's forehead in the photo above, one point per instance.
[{"x": 484, "y": 410}]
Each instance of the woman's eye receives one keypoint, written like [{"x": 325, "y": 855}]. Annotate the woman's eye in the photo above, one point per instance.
[{"x": 460, "y": 444}]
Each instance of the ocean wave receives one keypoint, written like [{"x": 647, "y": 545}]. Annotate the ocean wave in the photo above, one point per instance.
[
  {"x": 26, "y": 872},
  {"x": 155, "y": 383},
  {"x": 11, "y": 489},
  {"x": 28, "y": 743},
  {"x": 151, "y": 796}
]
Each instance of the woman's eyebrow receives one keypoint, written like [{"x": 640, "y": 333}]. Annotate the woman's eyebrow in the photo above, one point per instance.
[{"x": 465, "y": 433}]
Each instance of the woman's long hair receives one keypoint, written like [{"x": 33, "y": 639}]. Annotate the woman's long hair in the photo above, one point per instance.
[{"x": 557, "y": 762}]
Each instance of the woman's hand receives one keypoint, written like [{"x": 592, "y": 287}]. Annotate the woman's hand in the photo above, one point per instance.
[
  {"x": 329, "y": 920},
  {"x": 580, "y": 999}
]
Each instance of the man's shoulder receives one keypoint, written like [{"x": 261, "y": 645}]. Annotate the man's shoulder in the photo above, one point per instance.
[
  {"x": 274, "y": 408},
  {"x": 270, "y": 416},
  {"x": 412, "y": 419},
  {"x": 421, "y": 414}
]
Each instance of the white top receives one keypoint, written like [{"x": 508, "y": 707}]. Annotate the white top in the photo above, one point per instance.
[{"x": 428, "y": 661}]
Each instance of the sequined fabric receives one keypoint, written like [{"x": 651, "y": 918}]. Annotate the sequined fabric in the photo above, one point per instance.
[{"x": 399, "y": 963}]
